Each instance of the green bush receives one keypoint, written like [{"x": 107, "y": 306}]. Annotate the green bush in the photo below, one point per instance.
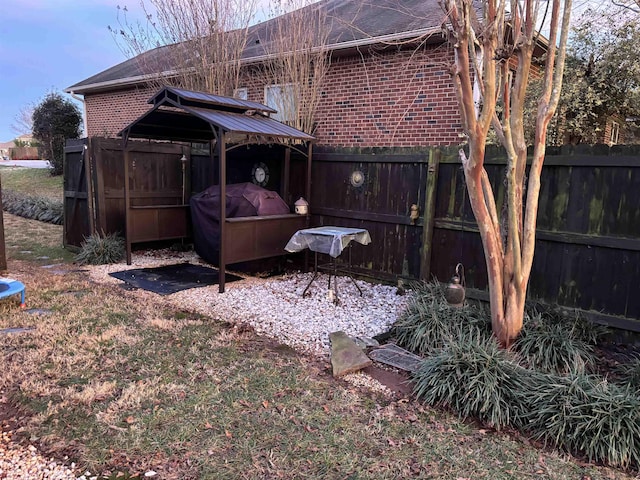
[
  {"x": 33, "y": 207},
  {"x": 101, "y": 249},
  {"x": 538, "y": 388},
  {"x": 588, "y": 415},
  {"x": 475, "y": 377},
  {"x": 429, "y": 322},
  {"x": 583, "y": 329},
  {"x": 553, "y": 347},
  {"x": 629, "y": 373}
]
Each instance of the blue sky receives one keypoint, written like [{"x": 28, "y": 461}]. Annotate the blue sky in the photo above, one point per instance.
[{"x": 48, "y": 45}]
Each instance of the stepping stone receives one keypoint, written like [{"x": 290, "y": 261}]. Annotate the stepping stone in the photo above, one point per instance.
[
  {"x": 346, "y": 356},
  {"x": 7, "y": 331},
  {"x": 397, "y": 357},
  {"x": 38, "y": 311}
]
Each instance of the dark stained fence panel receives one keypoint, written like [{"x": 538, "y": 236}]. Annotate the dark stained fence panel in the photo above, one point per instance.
[
  {"x": 588, "y": 244},
  {"x": 77, "y": 211},
  {"x": 382, "y": 205}
]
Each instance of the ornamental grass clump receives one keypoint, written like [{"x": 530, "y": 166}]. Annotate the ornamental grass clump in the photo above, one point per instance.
[
  {"x": 553, "y": 347},
  {"x": 101, "y": 250},
  {"x": 589, "y": 332},
  {"x": 429, "y": 322},
  {"x": 42, "y": 209},
  {"x": 629, "y": 373},
  {"x": 476, "y": 378},
  {"x": 588, "y": 415}
]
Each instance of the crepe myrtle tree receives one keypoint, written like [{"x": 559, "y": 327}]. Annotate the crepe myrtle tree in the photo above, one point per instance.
[{"x": 493, "y": 43}]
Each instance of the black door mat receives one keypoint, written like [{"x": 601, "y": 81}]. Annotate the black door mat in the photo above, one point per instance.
[{"x": 172, "y": 278}]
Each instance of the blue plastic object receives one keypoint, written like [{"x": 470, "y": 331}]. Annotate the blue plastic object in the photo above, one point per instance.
[{"x": 9, "y": 286}]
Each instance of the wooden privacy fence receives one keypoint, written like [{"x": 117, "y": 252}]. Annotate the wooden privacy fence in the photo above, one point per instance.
[{"x": 588, "y": 242}]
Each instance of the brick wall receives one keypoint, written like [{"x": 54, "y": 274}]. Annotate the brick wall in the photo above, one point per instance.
[
  {"x": 108, "y": 113},
  {"x": 400, "y": 99}
]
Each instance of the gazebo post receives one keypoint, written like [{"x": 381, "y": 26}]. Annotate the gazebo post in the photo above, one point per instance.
[
  {"x": 222, "y": 159},
  {"x": 307, "y": 191},
  {"x": 127, "y": 197},
  {"x": 286, "y": 174}
]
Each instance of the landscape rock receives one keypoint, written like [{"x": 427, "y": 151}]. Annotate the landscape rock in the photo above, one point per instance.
[{"x": 346, "y": 356}]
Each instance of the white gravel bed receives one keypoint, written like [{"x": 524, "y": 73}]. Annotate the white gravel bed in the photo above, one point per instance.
[
  {"x": 26, "y": 463},
  {"x": 275, "y": 307}
]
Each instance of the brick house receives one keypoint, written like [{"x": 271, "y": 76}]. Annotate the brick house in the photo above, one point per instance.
[{"x": 387, "y": 84}]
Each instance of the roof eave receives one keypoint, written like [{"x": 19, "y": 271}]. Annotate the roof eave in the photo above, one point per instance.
[{"x": 140, "y": 79}]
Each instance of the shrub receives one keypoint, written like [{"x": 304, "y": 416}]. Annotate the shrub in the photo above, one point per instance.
[
  {"x": 630, "y": 373},
  {"x": 36, "y": 208},
  {"x": 553, "y": 347},
  {"x": 101, "y": 249},
  {"x": 583, "y": 329},
  {"x": 55, "y": 119},
  {"x": 429, "y": 322},
  {"x": 588, "y": 415},
  {"x": 475, "y": 377}
]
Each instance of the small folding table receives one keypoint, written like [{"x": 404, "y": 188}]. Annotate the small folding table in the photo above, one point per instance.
[{"x": 331, "y": 241}]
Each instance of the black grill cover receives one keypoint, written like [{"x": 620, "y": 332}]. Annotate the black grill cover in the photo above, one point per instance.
[{"x": 242, "y": 200}]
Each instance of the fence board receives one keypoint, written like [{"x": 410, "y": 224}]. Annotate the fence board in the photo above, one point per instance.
[{"x": 76, "y": 208}]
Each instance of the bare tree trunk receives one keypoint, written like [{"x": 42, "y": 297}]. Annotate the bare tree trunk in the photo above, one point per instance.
[
  {"x": 298, "y": 61},
  {"x": 493, "y": 63}
]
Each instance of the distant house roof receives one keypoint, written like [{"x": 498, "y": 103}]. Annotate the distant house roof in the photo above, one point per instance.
[
  {"x": 353, "y": 23},
  {"x": 184, "y": 115}
]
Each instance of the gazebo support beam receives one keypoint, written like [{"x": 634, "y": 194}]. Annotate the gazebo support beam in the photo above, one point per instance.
[
  {"x": 222, "y": 160},
  {"x": 127, "y": 197}
]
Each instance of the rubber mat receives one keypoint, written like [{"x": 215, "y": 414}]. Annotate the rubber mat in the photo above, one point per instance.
[{"x": 172, "y": 278}]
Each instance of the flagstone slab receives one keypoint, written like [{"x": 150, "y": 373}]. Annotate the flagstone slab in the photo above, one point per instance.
[{"x": 346, "y": 356}]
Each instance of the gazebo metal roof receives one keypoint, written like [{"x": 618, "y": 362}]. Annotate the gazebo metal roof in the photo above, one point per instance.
[{"x": 184, "y": 115}]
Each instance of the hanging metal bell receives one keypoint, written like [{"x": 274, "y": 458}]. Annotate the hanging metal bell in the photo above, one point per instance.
[{"x": 454, "y": 292}]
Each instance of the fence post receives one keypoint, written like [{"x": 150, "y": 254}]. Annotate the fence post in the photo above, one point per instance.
[
  {"x": 3, "y": 250},
  {"x": 431, "y": 191}
]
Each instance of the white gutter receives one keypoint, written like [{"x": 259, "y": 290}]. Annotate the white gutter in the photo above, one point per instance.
[
  {"x": 85, "y": 126},
  {"x": 389, "y": 39}
]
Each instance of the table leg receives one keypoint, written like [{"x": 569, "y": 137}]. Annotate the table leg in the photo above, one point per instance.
[
  {"x": 350, "y": 275},
  {"x": 336, "y": 299},
  {"x": 315, "y": 273}
]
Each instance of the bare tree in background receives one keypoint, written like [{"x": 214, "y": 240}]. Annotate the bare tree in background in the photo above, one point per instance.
[
  {"x": 297, "y": 61},
  {"x": 193, "y": 44},
  {"x": 494, "y": 43},
  {"x": 23, "y": 121}
]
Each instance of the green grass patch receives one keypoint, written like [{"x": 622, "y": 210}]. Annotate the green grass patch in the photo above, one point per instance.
[
  {"x": 629, "y": 373},
  {"x": 540, "y": 387},
  {"x": 429, "y": 323},
  {"x": 476, "y": 378},
  {"x": 124, "y": 382},
  {"x": 588, "y": 415},
  {"x": 34, "y": 241},
  {"x": 32, "y": 181}
]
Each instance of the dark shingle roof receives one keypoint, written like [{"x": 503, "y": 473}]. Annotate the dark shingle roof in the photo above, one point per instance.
[{"x": 352, "y": 22}]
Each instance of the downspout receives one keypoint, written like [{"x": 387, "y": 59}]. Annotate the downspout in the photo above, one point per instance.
[{"x": 84, "y": 112}]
